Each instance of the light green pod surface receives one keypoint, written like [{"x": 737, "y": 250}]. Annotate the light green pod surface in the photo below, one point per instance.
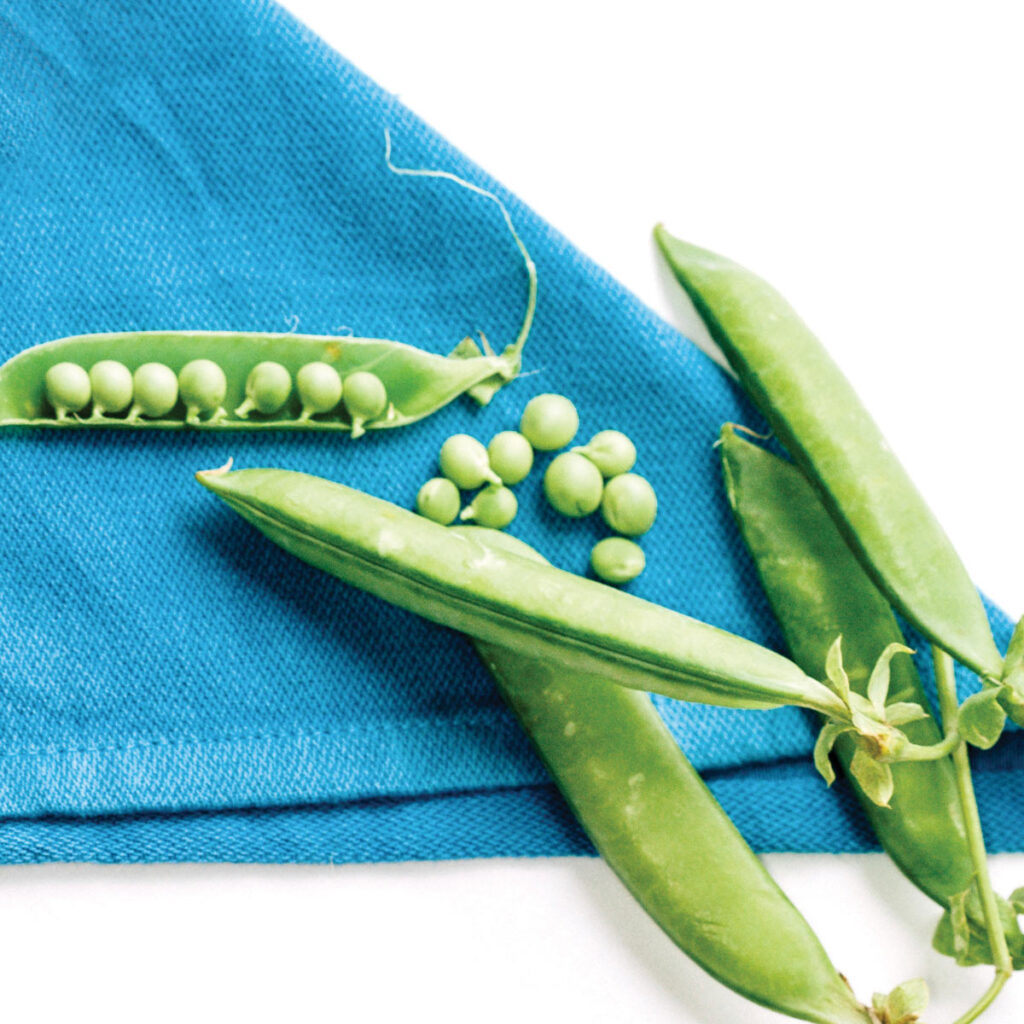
[
  {"x": 417, "y": 383},
  {"x": 662, "y": 832},
  {"x": 449, "y": 578},
  {"x": 821, "y": 421},
  {"x": 819, "y": 591}
]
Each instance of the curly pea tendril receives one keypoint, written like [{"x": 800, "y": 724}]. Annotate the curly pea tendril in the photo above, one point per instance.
[{"x": 232, "y": 380}]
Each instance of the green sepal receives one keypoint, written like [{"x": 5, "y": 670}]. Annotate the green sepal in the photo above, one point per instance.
[
  {"x": 982, "y": 718},
  {"x": 903, "y": 712},
  {"x": 483, "y": 392},
  {"x": 873, "y": 777},
  {"x": 1011, "y": 697},
  {"x": 903, "y": 1005},
  {"x": 830, "y": 732},
  {"x": 1014, "y": 662},
  {"x": 878, "y": 684},
  {"x": 835, "y": 672}
]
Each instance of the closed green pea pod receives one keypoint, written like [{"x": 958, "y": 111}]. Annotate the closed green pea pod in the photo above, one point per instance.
[
  {"x": 450, "y": 579},
  {"x": 819, "y": 591},
  {"x": 818, "y": 417},
  {"x": 663, "y": 833}
]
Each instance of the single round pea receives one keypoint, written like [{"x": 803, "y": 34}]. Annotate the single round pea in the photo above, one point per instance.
[
  {"x": 67, "y": 388},
  {"x": 155, "y": 387},
  {"x": 510, "y": 456},
  {"x": 267, "y": 388},
  {"x": 611, "y": 451},
  {"x": 629, "y": 504},
  {"x": 365, "y": 399},
  {"x": 617, "y": 560},
  {"x": 495, "y": 506},
  {"x": 438, "y": 499},
  {"x": 573, "y": 485},
  {"x": 319, "y": 388},
  {"x": 549, "y": 422},
  {"x": 202, "y": 386},
  {"x": 463, "y": 460},
  {"x": 111, "y": 387}
]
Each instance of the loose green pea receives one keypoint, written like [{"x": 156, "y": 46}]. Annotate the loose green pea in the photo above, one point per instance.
[
  {"x": 611, "y": 451},
  {"x": 463, "y": 460},
  {"x": 549, "y": 422},
  {"x": 111, "y": 387},
  {"x": 617, "y": 560},
  {"x": 510, "y": 456},
  {"x": 156, "y": 391},
  {"x": 438, "y": 499},
  {"x": 67, "y": 388},
  {"x": 629, "y": 504},
  {"x": 365, "y": 398},
  {"x": 267, "y": 388},
  {"x": 319, "y": 388},
  {"x": 202, "y": 386},
  {"x": 495, "y": 506},
  {"x": 573, "y": 485}
]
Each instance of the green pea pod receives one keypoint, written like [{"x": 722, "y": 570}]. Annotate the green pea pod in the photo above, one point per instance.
[
  {"x": 663, "y": 833},
  {"x": 538, "y": 610},
  {"x": 820, "y": 420},
  {"x": 416, "y": 383},
  {"x": 819, "y": 591}
]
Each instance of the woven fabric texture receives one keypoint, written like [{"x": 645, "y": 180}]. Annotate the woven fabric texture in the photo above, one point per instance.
[{"x": 175, "y": 687}]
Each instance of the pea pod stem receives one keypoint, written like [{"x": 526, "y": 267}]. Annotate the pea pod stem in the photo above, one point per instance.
[
  {"x": 945, "y": 682},
  {"x": 927, "y": 751}
]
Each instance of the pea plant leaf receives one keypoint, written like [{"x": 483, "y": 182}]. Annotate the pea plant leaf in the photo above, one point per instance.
[
  {"x": 1017, "y": 900},
  {"x": 903, "y": 1005},
  {"x": 878, "y": 684},
  {"x": 873, "y": 777},
  {"x": 835, "y": 672},
  {"x": 982, "y": 718}
]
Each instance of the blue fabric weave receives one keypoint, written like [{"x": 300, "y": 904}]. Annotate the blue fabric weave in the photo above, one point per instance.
[{"x": 176, "y": 688}]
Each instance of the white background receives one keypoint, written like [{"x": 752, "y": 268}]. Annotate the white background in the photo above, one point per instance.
[{"x": 866, "y": 159}]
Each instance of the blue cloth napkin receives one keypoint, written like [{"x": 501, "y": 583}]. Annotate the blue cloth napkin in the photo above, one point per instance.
[{"x": 176, "y": 688}]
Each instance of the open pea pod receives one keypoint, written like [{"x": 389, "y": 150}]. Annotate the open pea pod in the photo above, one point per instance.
[
  {"x": 535, "y": 609},
  {"x": 662, "y": 832},
  {"x": 819, "y": 591},
  {"x": 415, "y": 383},
  {"x": 818, "y": 417}
]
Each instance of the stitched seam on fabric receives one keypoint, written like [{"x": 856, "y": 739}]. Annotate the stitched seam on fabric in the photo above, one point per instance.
[{"x": 461, "y": 717}]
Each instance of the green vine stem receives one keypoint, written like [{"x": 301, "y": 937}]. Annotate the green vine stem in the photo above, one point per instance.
[{"x": 948, "y": 705}]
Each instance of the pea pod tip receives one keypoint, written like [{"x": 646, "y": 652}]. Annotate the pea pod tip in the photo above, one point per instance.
[{"x": 207, "y": 476}]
